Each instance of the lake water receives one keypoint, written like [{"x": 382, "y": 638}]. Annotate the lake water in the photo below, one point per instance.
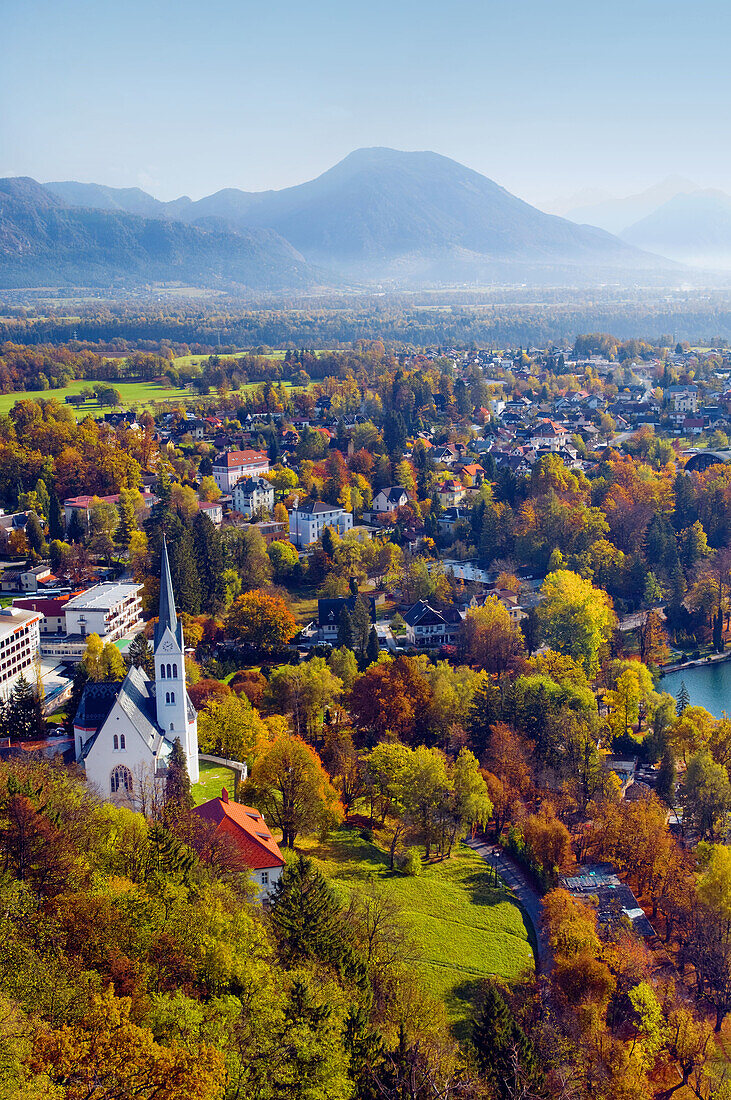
[{"x": 709, "y": 686}]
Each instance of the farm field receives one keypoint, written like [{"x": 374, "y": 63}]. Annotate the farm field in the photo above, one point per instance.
[{"x": 463, "y": 927}]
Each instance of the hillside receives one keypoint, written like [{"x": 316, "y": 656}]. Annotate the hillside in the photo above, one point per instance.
[
  {"x": 694, "y": 229},
  {"x": 44, "y": 241}
]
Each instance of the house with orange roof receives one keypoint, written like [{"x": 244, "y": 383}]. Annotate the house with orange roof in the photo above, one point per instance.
[{"x": 251, "y": 834}]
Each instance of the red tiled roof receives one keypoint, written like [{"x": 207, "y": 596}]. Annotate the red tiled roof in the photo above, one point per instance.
[
  {"x": 247, "y": 827},
  {"x": 240, "y": 458}
]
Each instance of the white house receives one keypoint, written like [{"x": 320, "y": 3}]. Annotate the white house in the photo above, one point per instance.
[
  {"x": 427, "y": 628},
  {"x": 124, "y": 733},
  {"x": 306, "y": 525},
  {"x": 549, "y": 435},
  {"x": 252, "y": 493},
  {"x": 231, "y": 466},
  {"x": 390, "y": 498}
]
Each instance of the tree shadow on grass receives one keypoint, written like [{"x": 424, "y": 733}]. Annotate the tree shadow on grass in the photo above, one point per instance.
[
  {"x": 461, "y": 1002},
  {"x": 483, "y": 891}
]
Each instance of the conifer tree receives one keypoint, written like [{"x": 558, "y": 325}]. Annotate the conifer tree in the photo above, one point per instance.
[
  {"x": 139, "y": 654},
  {"x": 178, "y": 795},
  {"x": 186, "y": 583},
  {"x": 210, "y": 563},
  {"x": 506, "y": 1055},
  {"x": 75, "y": 531},
  {"x": 55, "y": 517},
  {"x": 22, "y": 714},
  {"x": 373, "y": 648},
  {"x": 345, "y": 629},
  {"x": 683, "y": 697},
  {"x": 361, "y": 619},
  {"x": 665, "y": 786},
  {"x": 305, "y": 914}
]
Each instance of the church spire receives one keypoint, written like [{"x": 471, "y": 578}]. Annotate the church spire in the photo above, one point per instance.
[{"x": 167, "y": 617}]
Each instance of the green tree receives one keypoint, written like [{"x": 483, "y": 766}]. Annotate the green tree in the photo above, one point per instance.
[
  {"x": 666, "y": 778},
  {"x": 305, "y": 914},
  {"x": 345, "y": 629},
  {"x": 575, "y": 617},
  {"x": 706, "y": 796},
  {"x": 139, "y": 654},
  {"x": 373, "y": 648},
  {"x": 184, "y": 571},
  {"x": 505, "y": 1054},
  {"x": 22, "y": 713},
  {"x": 209, "y": 559},
  {"x": 683, "y": 698}
]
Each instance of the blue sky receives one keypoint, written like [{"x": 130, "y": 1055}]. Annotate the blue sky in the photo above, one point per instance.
[{"x": 185, "y": 98}]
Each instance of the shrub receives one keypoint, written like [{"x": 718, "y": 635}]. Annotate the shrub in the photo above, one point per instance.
[{"x": 410, "y": 863}]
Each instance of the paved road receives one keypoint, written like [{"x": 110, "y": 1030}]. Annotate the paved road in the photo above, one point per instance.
[{"x": 516, "y": 880}]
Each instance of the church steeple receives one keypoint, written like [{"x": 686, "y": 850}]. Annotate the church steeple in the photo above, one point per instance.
[
  {"x": 167, "y": 616},
  {"x": 176, "y": 716}
]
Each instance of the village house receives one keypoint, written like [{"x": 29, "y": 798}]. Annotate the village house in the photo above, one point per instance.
[
  {"x": 390, "y": 498},
  {"x": 307, "y": 524},
  {"x": 232, "y": 466},
  {"x": 252, "y": 494},
  {"x": 427, "y": 628},
  {"x": 248, "y": 831}
]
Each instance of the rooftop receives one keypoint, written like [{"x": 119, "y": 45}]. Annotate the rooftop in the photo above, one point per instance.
[{"x": 102, "y": 596}]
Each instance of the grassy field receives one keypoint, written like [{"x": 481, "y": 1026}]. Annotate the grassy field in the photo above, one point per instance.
[
  {"x": 137, "y": 394},
  {"x": 463, "y": 927},
  {"x": 212, "y": 778}
]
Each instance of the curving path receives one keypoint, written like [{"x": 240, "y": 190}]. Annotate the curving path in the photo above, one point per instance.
[{"x": 525, "y": 892}]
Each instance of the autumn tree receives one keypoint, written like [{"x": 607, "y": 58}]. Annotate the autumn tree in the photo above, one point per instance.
[
  {"x": 260, "y": 619},
  {"x": 291, "y": 788},
  {"x": 575, "y": 617}
]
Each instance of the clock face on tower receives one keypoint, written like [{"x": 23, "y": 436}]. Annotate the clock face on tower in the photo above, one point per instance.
[{"x": 167, "y": 646}]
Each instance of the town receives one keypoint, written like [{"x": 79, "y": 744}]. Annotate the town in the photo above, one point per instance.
[{"x": 390, "y": 638}]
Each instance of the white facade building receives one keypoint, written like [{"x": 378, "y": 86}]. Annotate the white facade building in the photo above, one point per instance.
[
  {"x": 306, "y": 525},
  {"x": 19, "y": 646},
  {"x": 108, "y": 609},
  {"x": 124, "y": 733},
  {"x": 231, "y": 466},
  {"x": 252, "y": 493}
]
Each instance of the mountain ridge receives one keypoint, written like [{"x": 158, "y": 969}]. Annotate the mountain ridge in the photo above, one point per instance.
[{"x": 379, "y": 215}]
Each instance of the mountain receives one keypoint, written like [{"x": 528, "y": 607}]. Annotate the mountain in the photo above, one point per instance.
[
  {"x": 564, "y": 204},
  {"x": 382, "y": 214},
  {"x": 95, "y": 196},
  {"x": 614, "y": 215},
  {"x": 693, "y": 229},
  {"x": 46, "y": 242}
]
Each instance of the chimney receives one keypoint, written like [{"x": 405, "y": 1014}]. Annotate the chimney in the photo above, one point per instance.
[{"x": 224, "y": 795}]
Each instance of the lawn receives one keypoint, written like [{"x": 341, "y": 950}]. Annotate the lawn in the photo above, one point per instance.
[
  {"x": 133, "y": 393},
  {"x": 213, "y": 777},
  {"x": 465, "y": 929}
]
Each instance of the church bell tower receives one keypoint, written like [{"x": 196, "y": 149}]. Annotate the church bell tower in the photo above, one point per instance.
[{"x": 176, "y": 715}]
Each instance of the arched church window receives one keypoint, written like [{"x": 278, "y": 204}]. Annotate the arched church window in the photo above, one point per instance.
[
  {"x": 172, "y": 696},
  {"x": 122, "y": 742},
  {"x": 175, "y": 672},
  {"x": 167, "y": 697},
  {"x": 121, "y": 779},
  {"x": 162, "y": 672},
  {"x": 115, "y": 742},
  {"x": 170, "y": 675}
]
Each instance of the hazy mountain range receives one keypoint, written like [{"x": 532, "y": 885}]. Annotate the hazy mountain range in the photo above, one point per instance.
[
  {"x": 379, "y": 216},
  {"x": 674, "y": 218}
]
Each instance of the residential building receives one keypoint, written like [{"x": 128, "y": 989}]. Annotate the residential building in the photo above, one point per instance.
[
  {"x": 252, "y": 494},
  {"x": 19, "y": 646},
  {"x": 451, "y": 493},
  {"x": 249, "y": 832},
  {"x": 232, "y": 466},
  {"x": 549, "y": 435},
  {"x": 213, "y": 509},
  {"x": 387, "y": 500},
  {"x": 427, "y": 628},
  {"x": 598, "y": 885},
  {"x": 110, "y": 609},
  {"x": 14, "y": 521},
  {"x": 26, "y": 580},
  {"x": 307, "y": 524},
  {"x": 52, "y": 610},
  {"x": 124, "y": 732}
]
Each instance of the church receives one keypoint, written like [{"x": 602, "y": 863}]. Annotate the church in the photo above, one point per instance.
[{"x": 124, "y": 732}]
